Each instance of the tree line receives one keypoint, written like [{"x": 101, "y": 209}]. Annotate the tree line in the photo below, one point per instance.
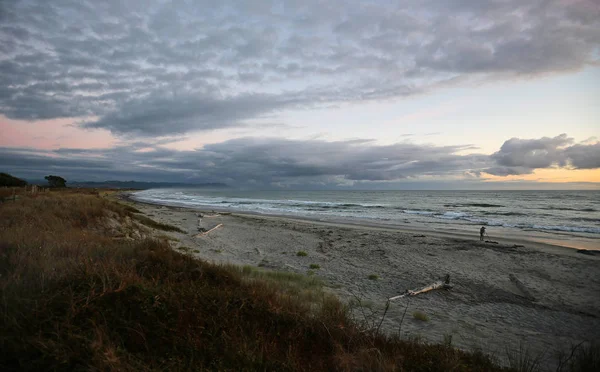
[{"x": 7, "y": 180}]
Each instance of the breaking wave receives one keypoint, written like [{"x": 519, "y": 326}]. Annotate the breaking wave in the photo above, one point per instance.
[{"x": 510, "y": 212}]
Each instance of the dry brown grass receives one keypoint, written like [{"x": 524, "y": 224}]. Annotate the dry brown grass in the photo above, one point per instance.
[{"x": 72, "y": 297}]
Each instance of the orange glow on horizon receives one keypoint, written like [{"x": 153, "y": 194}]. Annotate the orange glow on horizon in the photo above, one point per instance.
[{"x": 555, "y": 175}]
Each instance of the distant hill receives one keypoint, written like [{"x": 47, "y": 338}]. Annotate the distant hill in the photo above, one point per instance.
[
  {"x": 11, "y": 181},
  {"x": 145, "y": 185}
]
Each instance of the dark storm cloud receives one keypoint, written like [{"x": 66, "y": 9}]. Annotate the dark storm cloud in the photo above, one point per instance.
[
  {"x": 267, "y": 162},
  {"x": 523, "y": 156},
  {"x": 178, "y": 114},
  {"x": 251, "y": 161},
  {"x": 170, "y": 67},
  {"x": 584, "y": 156}
]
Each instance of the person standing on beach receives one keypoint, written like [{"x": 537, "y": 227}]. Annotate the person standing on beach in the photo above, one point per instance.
[{"x": 481, "y": 233}]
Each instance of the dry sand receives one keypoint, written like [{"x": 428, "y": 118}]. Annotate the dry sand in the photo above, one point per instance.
[{"x": 540, "y": 297}]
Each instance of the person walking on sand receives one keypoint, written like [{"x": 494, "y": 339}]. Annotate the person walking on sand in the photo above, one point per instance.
[{"x": 481, "y": 233}]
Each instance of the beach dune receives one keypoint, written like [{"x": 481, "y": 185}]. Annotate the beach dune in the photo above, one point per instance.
[{"x": 506, "y": 295}]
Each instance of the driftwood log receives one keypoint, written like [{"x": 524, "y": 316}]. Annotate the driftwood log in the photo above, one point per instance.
[
  {"x": 441, "y": 284},
  {"x": 206, "y": 232}
]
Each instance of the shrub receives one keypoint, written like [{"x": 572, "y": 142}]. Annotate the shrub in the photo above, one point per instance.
[
  {"x": 373, "y": 277},
  {"x": 301, "y": 254},
  {"x": 314, "y": 266},
  {"x": 420, "y": 316}
]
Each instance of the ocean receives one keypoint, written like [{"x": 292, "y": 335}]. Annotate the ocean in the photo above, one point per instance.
[{"x": 574, "y": 213}]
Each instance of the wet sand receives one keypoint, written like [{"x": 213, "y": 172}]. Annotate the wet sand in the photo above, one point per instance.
[{"x": 515, "y": 293}]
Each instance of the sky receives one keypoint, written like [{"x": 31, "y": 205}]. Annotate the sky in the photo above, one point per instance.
[{"x": 470, "y": 94}]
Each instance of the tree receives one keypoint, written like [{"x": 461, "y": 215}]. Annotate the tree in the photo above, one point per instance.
[
  {"x": 56, "y": 181},
  {"x": 11, "y": 181}
]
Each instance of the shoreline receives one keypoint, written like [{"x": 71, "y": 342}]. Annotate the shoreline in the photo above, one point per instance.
[
  {"x": 516, "y": 292},
  {"x": 508, "y": 236}
]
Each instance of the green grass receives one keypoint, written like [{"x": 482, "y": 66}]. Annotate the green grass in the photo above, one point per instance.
[
  {"x": 131, "y": 209},
  {"x": 301, "y": 254},
  {"x": 373, "y": 277},
  {"x": 447, "y": 340},
  {"x": 284, "y": 277},
  {"x": 156, "y": 225},
  {"x": 314, "y": 266},
  {"x": 418, "y": 315}
]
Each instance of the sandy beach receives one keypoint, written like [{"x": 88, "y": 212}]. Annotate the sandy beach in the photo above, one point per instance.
[{"x": 512, "y": 294}]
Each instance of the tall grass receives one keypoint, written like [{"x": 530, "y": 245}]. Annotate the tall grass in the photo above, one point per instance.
[{"x": 72, "y": 297}]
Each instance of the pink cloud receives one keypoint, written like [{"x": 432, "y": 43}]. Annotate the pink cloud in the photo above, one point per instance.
[{"x": 52, "y": 134}]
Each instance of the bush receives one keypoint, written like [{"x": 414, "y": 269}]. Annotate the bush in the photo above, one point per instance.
[
  {"x": 314, "y": 266},
  {"x": 301, "y": 254},
  {"x": 373, "y": 277},
  {"x": 420, "y": 316}
]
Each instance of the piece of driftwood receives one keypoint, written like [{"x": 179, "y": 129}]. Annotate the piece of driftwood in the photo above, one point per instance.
[
  {"x": 206, "y": 232},
  {"x": 441, "y": 284}
]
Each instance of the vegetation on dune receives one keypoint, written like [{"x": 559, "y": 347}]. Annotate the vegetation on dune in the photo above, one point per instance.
[
  {"x": 419, "y": 315},
  {"x": 131, "y": 209},
  {"x": 73, "y": 297},
  {"x": 157, "y": 225}
]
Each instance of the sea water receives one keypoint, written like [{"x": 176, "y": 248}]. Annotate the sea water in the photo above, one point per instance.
[{"x": 574, "y": 213}]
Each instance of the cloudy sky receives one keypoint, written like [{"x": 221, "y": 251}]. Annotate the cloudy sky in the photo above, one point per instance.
[{"x": 303, "y": 93}]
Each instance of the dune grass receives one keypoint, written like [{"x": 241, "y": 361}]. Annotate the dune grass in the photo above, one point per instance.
[
  {"x": 73, "y": 298},
  {"x": 419, "y": 315},
  {"x": 156, "y": 225}
]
